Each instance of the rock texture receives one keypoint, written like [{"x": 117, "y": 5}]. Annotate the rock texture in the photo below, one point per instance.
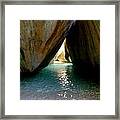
[
  {"x": 83, "y": 43},
  {"x": 40, "y": 41},
  {"x": 67, "y": 54}
]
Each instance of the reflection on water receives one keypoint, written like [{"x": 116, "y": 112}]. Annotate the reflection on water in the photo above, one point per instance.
[{"x": 58, "y": 82}]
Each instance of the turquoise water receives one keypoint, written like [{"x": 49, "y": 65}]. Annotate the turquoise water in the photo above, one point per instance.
[{"x": 58, "y": 82}]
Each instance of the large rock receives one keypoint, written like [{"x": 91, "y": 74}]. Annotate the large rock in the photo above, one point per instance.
[
  {"x": 40, "y": 41},
  {"x": 83, "y": 43}
]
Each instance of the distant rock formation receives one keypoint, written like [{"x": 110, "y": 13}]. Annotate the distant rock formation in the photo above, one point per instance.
[
  {"x": 83, "y": 43},
  {"x": 62, "y": 56},
  {"x": 40, "y": 41}
]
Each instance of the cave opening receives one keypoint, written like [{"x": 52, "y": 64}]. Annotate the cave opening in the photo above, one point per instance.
[
  {"x": 62, "y": 56},
  {"x": 60, "y": 74}
]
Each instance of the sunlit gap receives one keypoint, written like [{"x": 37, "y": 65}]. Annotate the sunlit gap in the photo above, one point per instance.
[{"x": 62, "y": 58}]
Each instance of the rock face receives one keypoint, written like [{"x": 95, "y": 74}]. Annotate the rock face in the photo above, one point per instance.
[
  {"x": 39, "y": 42},
  {"x": 67, "y": 54},
  {"x": 83, "y": 43}
]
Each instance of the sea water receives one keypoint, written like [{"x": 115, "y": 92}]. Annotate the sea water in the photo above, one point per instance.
[{"x": 58, "y": 82}]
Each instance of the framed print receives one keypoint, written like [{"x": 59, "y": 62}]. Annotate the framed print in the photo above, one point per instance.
[{"x": 60, "y": 59}]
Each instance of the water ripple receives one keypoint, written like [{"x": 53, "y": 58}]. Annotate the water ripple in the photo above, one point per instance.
[{"x": 58, "y": 82}]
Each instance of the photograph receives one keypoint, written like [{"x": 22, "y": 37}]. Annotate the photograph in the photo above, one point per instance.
[
  {"x": 58, "y": 55},
  {"x": 59, "y": 59}
]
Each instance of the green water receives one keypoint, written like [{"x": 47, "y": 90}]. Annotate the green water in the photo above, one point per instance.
[{"x": 58, "y": 82}]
